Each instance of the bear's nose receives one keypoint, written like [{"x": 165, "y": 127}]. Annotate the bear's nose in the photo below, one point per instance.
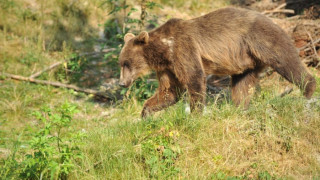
[{"x": 122, "y": 84}]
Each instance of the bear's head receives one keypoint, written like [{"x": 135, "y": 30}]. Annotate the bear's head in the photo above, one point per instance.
[{"x": 132, "y": 61}]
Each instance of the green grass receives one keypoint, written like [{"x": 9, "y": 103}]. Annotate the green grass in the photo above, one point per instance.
[
  {"x": 276, "y": 138},
  {"x": 276, "y": 135}
]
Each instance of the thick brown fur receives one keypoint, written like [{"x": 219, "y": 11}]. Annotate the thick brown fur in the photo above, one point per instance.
[{"x": 229, "y": 41}]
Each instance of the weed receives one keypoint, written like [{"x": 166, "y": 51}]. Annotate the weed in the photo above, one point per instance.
[
  {"x": 29, "y": 59},
  {"x": 141, "y": 89},
  {"x": 160, "y": 151},
  {"x": 53, "y": 149}
]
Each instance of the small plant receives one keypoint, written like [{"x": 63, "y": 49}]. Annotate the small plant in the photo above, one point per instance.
[
  {"x": 73, "y": 69},
  {"x": 160, "y": 150},
  {"x": 29, "y": 59},
  {"x": 9, "y": 166},
  {"x": 141, "y": 89},
  {"x": 53, "y": 149}
]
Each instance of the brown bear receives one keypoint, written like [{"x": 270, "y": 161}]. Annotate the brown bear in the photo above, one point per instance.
[{"x": 228, "y": 41}]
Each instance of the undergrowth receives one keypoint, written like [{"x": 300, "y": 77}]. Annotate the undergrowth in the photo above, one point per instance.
[{"x": 52, "y": 151}]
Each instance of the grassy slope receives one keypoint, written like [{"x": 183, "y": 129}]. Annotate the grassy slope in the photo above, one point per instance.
[{"x": 277, "y": 135}]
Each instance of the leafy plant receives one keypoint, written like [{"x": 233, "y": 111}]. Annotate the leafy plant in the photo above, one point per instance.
[
  {"x": 29, "y": 59},
  {"x": 160, "y": 150},
  {"x": 9, "y": 166},
  {"x": 53, "y": 149},
  {"x": 141, "y": 89},
  {"x": 73, "y": 69}
]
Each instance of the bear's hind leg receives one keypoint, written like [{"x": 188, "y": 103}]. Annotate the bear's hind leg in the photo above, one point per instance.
[
  {"x": 243, "y": 87},
  {"x": 297, "y": 74}
]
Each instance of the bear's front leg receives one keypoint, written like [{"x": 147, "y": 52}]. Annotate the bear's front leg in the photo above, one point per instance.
[
  {"x": 167, "y": 94},
  {"x": 197, "y": 93},
  {"x": 158, "y": 101}
]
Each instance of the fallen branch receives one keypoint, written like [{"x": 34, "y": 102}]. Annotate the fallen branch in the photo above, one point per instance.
[
  {"x": 35, "y": 75},
  {"x": 308, "y": 44},
  {"x": 312, "y": 44},
  {"x": 285, "y": 11},
  {"x": 308, "y": 59},
  {"x": 60, "y": 85},
  {"x": 279, "y": 10},
  {"x": 281, "y": 6}
]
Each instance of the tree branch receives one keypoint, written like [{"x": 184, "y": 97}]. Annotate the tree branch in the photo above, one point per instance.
[
  {"x": 35, "y": 75},
  {"x": 106, "y": 95}
]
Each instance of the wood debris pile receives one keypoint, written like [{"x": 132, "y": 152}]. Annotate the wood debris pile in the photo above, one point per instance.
[
  {"x": 301, "y": 20},
  {"x": 307, "y": 40}
]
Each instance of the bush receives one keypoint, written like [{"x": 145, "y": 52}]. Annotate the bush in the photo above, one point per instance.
[{"x": 53, "y": 150}]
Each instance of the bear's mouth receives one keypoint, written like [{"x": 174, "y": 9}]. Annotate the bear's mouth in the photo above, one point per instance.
[{"x": 126, "y": 84}]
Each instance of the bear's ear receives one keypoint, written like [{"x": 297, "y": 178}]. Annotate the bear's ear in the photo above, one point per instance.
[
  {"x": 143, "y": 37},
  {"x": 128, "y": 36}
]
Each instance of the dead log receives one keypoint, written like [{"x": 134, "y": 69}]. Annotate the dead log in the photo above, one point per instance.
[{"x": 105, "y": 95}]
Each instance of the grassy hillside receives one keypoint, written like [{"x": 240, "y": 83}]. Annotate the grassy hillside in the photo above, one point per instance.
[{"x": 57, "y": 133}]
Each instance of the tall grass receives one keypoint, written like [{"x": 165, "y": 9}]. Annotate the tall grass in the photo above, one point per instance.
[{"x": 276, "y": 137}]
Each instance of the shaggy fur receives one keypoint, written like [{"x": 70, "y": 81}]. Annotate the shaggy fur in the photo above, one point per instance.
[{"x": 229, "y": 41}]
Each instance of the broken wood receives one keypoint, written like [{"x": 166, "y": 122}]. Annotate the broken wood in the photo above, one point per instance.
[
  {"x": 285, "y": 11},
  {"x": 308, "y": 59},
  {"x": 309, "y": 43},
  {"x": 281, "y": 6},
  {"x": 312, "y": 44},
  {"x": 35, "y": 75},
  {"x": 279, "y": 10},
  {"x": 106, "y": 95}
]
